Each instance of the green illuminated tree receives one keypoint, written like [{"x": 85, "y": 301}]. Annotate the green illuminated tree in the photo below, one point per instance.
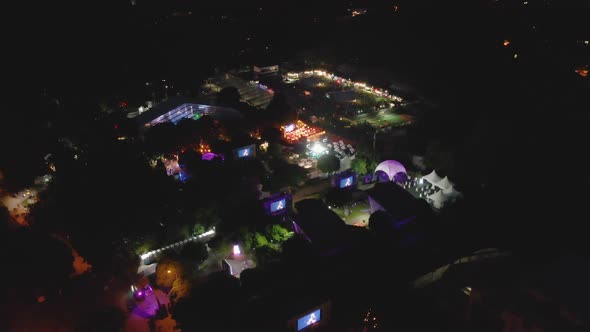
[
  {"x": 278, "y": 233},
  {"x": 359, "y": 165},
  {"x": 260, "y": 240},
  {"x": 198, "y": 229}
]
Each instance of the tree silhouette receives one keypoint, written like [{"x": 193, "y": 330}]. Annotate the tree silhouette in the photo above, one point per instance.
[
  {"x": 207, "y": 307},
  {"x": 109, "y": 319},
  {"x": 228, "y": 97},
  {"x": 328, "y": 163}
]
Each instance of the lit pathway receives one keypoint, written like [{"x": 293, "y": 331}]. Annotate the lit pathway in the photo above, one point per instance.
[{"x": 178, "y": 244}]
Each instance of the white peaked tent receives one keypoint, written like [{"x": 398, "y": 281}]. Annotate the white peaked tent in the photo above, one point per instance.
[
  {"x": 432, "y": 178},
  {"x": 445, "y": 183},
  {"x": 450, "y": 191},
  {"x": 438, "y": 199}
]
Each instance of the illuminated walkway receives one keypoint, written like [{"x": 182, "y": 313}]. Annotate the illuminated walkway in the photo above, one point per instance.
[{"x": 178, "y": 244}]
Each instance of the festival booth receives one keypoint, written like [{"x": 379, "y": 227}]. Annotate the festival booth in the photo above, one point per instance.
[
  {"x": 394, "y": 170},
  {"x": 432, "y": 178},
  {"x": 438, "y": 199}
]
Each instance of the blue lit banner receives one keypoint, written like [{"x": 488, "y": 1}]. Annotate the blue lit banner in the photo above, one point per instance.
[
  {"x": 278, "y": 205},
  {"x": 346, "y": 182},
  {"x": 308, "y": 320},
  {"x": 244, "y": 153}
]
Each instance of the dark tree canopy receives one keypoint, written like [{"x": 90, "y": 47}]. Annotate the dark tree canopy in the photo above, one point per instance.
[
  {"x": 229, "y": 97},
  {"x": 380, "y": 222},
  {"x": 271, "y": 134},
  {"x": 110, "y": 319},
  {"x": 32, "y": 253},
  {"x": 279, "y": 110},
  {"x": 194, "y": 251},
  {"x": 207, "y": 307},
  {"x": 328, "y": 163}
]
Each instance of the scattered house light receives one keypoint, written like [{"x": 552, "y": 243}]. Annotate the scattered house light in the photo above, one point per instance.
[{"x": 582, "y": 71}]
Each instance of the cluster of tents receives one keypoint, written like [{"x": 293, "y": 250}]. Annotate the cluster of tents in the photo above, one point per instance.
[{"x": 446, "y": 189}]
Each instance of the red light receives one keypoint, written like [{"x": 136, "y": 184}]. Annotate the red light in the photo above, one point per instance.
[
  {"x": 116, "y": 126},
  {"x": 123, "y": 104}
]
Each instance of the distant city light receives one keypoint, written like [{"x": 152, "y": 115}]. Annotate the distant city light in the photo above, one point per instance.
[
  {"x": 582, "y": 71},
  {"x": 506, "y": 42}
]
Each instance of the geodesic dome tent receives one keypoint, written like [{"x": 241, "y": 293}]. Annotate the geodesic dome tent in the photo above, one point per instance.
[{"x": 391, "y": 168}]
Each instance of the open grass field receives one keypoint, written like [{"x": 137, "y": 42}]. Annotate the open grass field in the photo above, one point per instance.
[{"x": 383, "y": 119}]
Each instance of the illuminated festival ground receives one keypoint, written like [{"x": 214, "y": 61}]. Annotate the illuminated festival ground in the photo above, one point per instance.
[
  {"x": 351, "y": 94},
  {"x": 383, "y": 119},
  {"x": 359, "y": 214}
]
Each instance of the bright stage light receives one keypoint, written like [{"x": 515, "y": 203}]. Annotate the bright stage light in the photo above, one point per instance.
[{"x": 318, "y": 148}]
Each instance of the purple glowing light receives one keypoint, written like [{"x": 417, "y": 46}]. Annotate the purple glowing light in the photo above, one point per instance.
[
  {"x": 209, "y": 156},
  {"x": 391, "y": 168},
  {"x": 139, "y": 293}
]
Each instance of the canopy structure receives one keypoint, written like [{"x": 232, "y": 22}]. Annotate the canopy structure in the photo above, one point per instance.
[
  {"x": 391, "y": 168},
  {"x": 432, "y": 178},
  {"x": 445, "y": 183},
  {"x": 438, "y": 199},
  {"x": 450, "y": 191}
]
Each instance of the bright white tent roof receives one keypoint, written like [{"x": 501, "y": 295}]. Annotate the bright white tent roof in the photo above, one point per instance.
[
  {"x": 438, "y": 199},
  {"x": 445, "y": 183},
  {"x": 450, "y": 191},
  {"x": 391, "y": 168},
  {"x": 433, "y": 178}
]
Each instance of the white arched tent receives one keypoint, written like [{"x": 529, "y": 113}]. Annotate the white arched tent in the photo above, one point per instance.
[
  {"x": 432, "y": 177},
  {"x": 391, "y": 168}
]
